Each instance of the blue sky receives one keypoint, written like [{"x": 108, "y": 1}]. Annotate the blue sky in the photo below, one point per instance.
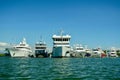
[{"x": 89, "y": 22}]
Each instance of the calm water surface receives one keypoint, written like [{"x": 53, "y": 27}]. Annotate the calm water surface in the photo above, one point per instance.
[{"x": 59, "y": 68}]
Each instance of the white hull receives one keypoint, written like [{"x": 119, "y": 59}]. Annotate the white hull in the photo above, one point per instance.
[
  {"x": 61, "y": 51},
  {"x": 112, "y": 52},
  {"x": 20, "y": 52},
  {"x": 96, "y": 55},
  {"x": 79, "y": 54},
  {"x": 113, "y": 55}
]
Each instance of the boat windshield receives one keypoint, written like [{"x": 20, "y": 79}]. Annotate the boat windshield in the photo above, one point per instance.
[
  {"x": 79, "y": 48},
  {"x": 95, "y": 49},
  {"x": 23, "y": 47},
  {"x": 22, "y": 44}
]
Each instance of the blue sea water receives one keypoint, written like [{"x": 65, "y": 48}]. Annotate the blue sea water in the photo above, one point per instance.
[{"x": 59, "y": 68}]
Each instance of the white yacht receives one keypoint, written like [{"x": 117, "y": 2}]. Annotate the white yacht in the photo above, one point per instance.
[
  {"x": 79, "y": 48},
  {"x": 112, "y": 52},
  {"x": 61, "y": 45},
  {"x": 41, "y": 49},
  {"x": 98, "y": 52},
  {"x": 21, "y": 50},
  {"x": 80, "y": 51}
]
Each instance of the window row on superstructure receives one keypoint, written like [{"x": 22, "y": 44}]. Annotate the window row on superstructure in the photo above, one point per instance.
[
  {"x": 23, "y": 47},
  {"x": 61, "y": 43},
  {"x": 40, "y": 47},
  {"x": 61, "y": 39}
]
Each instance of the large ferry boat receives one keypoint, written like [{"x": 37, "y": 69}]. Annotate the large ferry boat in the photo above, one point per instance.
[
  {"x": 21, "y": 50},
  {"x": 61, "y": 45},
  {"x": 41, "y": 49}
]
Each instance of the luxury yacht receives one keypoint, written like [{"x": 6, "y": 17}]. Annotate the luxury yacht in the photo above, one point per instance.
[
  {"x": 41, "y": 49},
  {"x": 21, "y": 50},
  {"x": 80, "y": 51},
  {"x": 98, "y": 53},
  {"x": 112, "y": 52}
]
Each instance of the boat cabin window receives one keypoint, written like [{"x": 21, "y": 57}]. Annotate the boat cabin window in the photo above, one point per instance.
[
  {"x": 61, "y": 39},
  {"x": 61, "y": 43},
  {"x": 65, "y": 39},
  {"x": 23, "y": 47},
  {"x": 22, "y": 44},
  {"x": 79, "y": 48},
  {"x": 112, "y": 53},
  {"x": 40, "y": 44},
  {"x": 40, "y": 47},
  {"x": 95, "y": 49}
]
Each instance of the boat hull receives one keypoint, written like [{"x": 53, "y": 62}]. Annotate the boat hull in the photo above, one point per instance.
[
  {"x": 113, "y": 55},
  {"x": 80, "y": 54},
  {"x": 61, "y": 52},
  {"x": 41, "y": 53},
  {"x": 20, "y": 52}
]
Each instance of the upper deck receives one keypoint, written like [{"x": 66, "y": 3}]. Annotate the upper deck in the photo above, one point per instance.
[{"x": 61, "y": 40}]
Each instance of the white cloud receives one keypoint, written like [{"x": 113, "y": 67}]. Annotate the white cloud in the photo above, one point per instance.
[{"x": 4, "y": 44}]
